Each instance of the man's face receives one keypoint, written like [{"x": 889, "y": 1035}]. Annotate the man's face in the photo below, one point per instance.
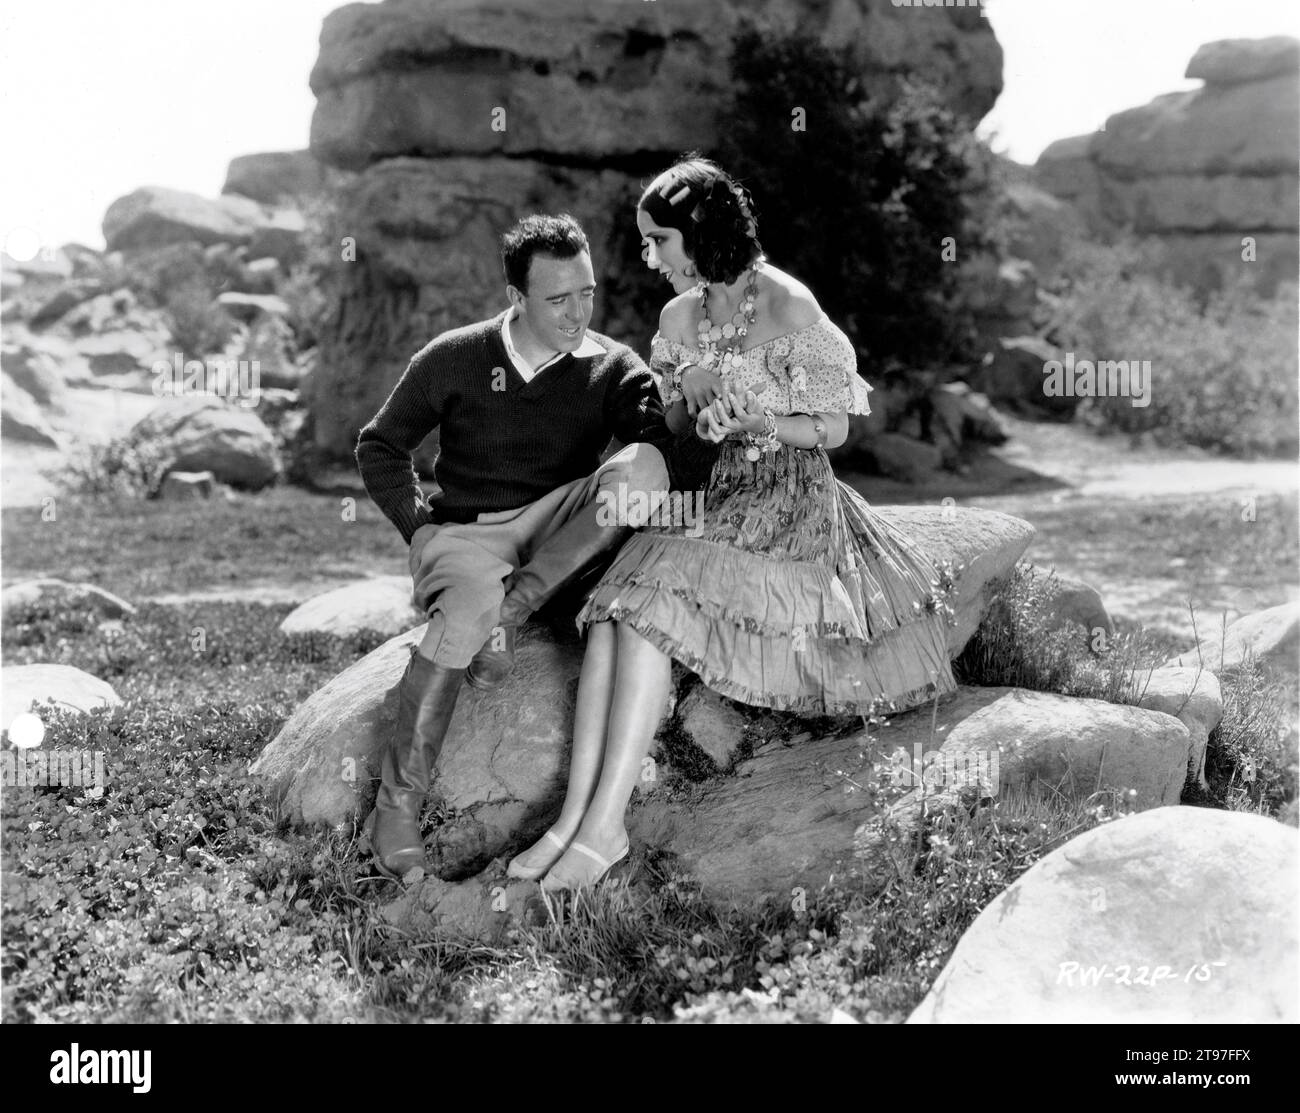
[{"x": 556, "y": 308}]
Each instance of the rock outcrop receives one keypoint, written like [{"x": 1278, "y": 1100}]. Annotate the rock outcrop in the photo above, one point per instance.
[
  {"x": 278, "y": 177},
  {"x": 457, "y": 118},
  {"x": 156, "y": 216},
  {"x": 1210, "y": 172},
  {"x": 1174, "y": 916}
]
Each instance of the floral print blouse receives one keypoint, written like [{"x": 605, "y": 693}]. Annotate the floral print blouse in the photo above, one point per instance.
[{"x": 811, "y": 370}]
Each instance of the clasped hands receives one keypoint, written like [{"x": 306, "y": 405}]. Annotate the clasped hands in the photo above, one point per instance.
[{"x": 719, "y": 413}]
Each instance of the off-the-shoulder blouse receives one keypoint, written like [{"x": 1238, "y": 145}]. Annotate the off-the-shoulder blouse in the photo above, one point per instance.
[{"x": 811, "y": 370}]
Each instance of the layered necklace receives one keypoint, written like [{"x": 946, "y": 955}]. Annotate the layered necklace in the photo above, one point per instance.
[{"x": 721, "y": 343}]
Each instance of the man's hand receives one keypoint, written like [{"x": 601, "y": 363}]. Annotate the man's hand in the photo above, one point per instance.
[
  {"x": 708, "y": 427},
  {"x": 746, "y": 413},
  {"x": 730, "y": 414}
]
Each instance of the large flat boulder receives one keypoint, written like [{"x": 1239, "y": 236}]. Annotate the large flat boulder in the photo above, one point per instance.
[
  {"x": 275, "y": 177},
  {"x": 1175, "y": 916},
  {"x": 503, "y": 763},
  {"x": 987, "y": 543},
  {"x": 1234, "y": 61},
  {"x": 800, "y": 815},
  {"x": 503, "y": 766}
]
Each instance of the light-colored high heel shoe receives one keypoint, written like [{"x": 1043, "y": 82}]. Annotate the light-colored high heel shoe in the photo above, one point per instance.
[
  {"x": 605, "y": 866},
  {"x": 532, "y": 873}
]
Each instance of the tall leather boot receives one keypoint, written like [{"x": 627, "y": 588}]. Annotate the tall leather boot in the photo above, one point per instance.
[
  {"x": 426, "y": 699},
  {"x": 563, "y": 558}
]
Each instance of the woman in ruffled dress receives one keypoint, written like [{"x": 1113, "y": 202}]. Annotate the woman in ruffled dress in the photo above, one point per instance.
[{"x": 791, "y": 592}]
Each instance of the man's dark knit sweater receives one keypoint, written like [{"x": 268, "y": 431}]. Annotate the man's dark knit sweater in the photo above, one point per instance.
[{"x": 504, "y": 448}]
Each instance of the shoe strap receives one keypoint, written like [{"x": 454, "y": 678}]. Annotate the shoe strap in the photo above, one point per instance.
[{"x": 594, "y": 856}]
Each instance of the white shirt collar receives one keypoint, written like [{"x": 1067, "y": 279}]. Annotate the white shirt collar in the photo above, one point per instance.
[{"x": 588, "y": 347}]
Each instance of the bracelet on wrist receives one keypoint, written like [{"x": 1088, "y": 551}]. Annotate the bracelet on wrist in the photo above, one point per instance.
[
  {"x": 675, "y": 380},
  {"x": 764, "y": 441}
]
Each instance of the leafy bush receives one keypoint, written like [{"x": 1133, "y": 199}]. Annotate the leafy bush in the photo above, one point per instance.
[
  {"x": 1017, "y": 646},
  {"x": 1249, "y": 765},
  {"x": 858, "y": 205},
  {"x": 124, "y": 467},
  {"x": 1223, "y": 372},
  {"x": 309, "y": 288}
]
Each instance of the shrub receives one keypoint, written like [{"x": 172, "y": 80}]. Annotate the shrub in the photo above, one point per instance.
[
  {"x": 123, "y": 467},
  {"x": 1248, "y": 764},
  {"x": 1223, "y": 372},
  {"x": 1015, "y": 646},
  {"x": 858, "y": 205},
  {"x": 309, "y": 288}
]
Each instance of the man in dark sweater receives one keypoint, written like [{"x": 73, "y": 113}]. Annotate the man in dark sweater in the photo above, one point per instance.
[{"x": 525, "y": 403}]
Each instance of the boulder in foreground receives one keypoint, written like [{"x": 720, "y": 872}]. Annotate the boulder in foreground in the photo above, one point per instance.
[{"x": 1178, "y": 915}]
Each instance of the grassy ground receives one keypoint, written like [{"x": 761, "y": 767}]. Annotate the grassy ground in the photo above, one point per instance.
[{"x": 180, "y": 894}]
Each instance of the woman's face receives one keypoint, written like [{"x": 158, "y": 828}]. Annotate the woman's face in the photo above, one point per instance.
[{"x": 662, "y": 250}]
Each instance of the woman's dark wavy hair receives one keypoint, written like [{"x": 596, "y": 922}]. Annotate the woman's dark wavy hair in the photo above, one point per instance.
[{"x": 713, "y": 212}]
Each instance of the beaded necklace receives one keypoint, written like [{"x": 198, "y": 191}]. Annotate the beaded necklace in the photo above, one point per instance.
[{"x": 721, "y": 343}]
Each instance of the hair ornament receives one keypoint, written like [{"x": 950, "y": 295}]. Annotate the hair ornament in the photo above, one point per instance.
[{"x": 678, "y": 197}]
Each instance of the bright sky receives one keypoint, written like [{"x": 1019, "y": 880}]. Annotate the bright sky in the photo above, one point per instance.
[{"x": 98, "y": 98}]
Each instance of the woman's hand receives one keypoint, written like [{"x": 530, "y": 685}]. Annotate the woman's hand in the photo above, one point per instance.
[
  {"x": 700, "y": 387},
  {"x": 708, "y": 426},
  {"x": 730, "y": 414},
  {"x": 746, "y": 413}
]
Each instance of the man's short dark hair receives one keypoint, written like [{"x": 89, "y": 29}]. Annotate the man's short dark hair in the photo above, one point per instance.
[{"x": 561, "y": 236}]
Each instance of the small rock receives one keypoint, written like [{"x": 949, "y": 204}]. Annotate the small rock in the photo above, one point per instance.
[
  {"x": 713, "y": 723},
  {"x": 382, "y": 604},
  {"x": 21, "y": 418},
  {"x": 51, "y": 596},
  {"x": 249, "y": 307},
  {"x": 1066, "y": 599},
  {"x": 1270, "y": 637},
  {"x": 204, "y": 433},
  {"x": 186, "y": 486},
  {"x": 25, "y": 686},
  {"x": 1193, "y": 697}
]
